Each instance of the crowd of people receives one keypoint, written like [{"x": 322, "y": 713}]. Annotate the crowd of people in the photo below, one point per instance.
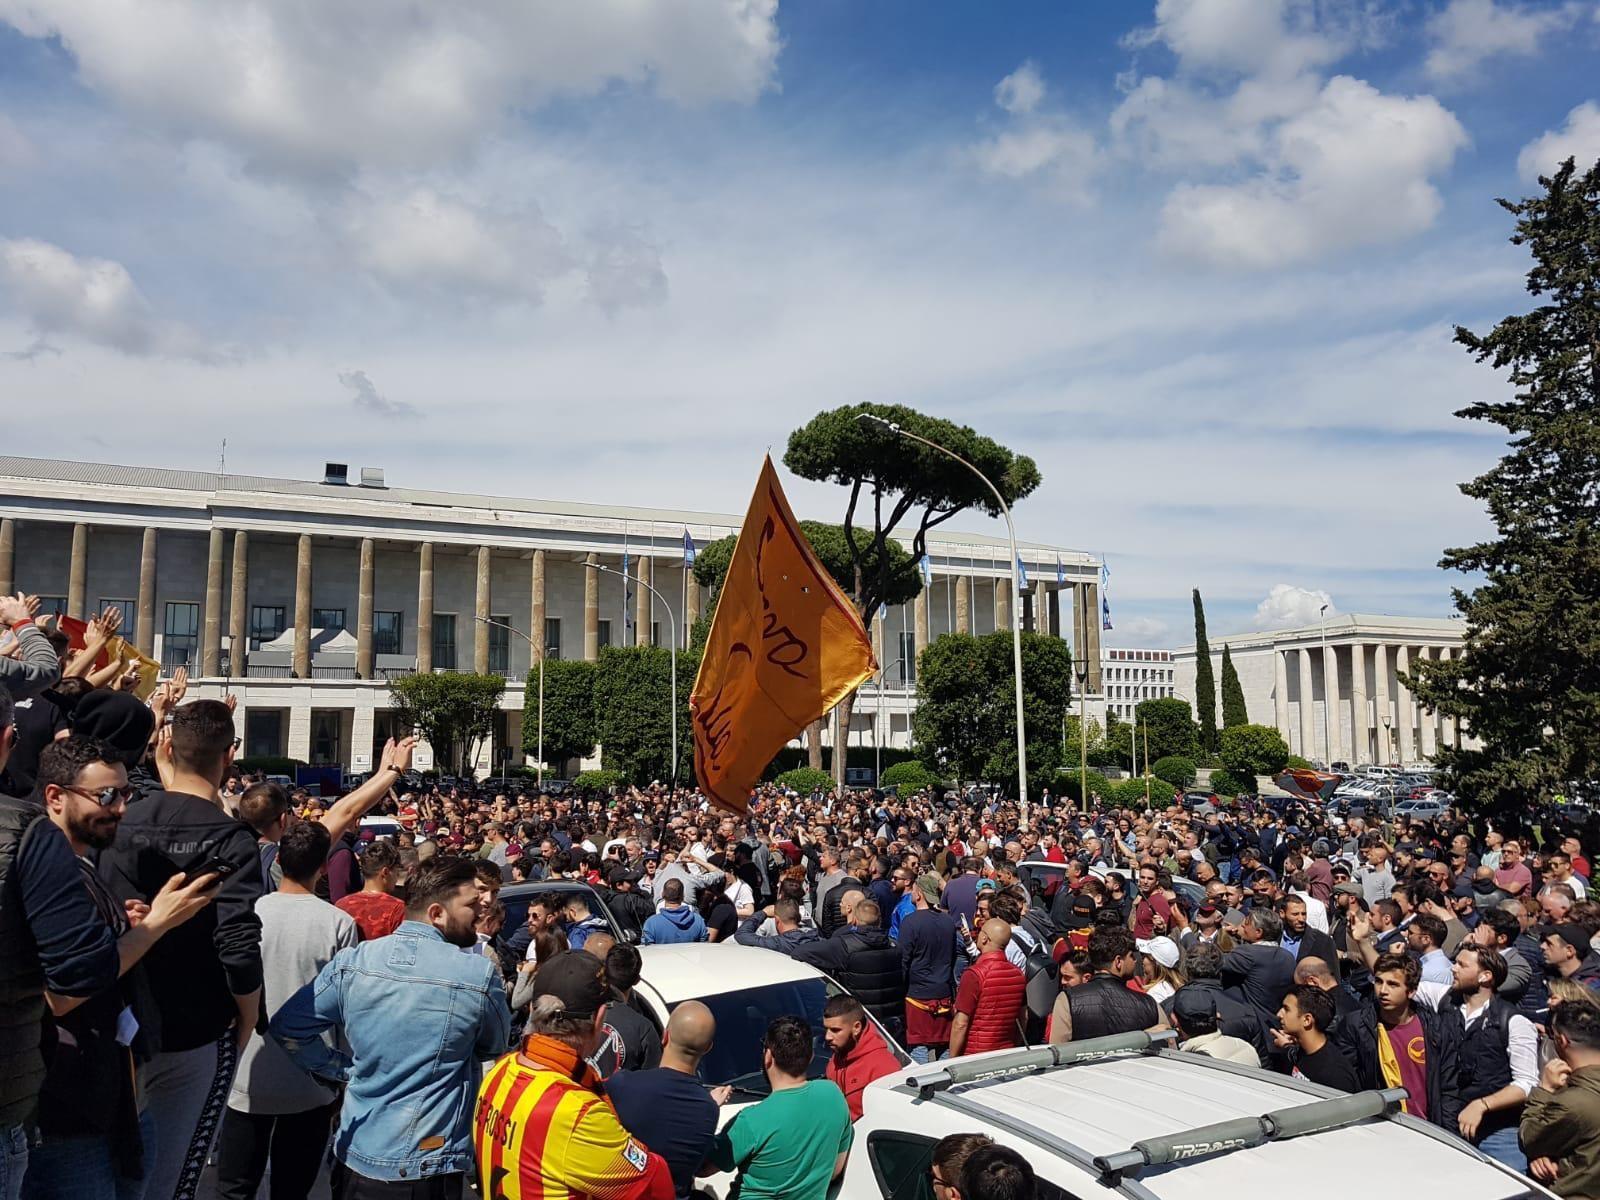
[{"x": 201, "y": 970}]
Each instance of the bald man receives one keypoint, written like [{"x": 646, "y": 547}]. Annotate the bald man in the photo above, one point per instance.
[
  {"x": 599, "y": 945},
  {"x": 990, "y": 1000},
  {"x": 667, "y": 1108}
]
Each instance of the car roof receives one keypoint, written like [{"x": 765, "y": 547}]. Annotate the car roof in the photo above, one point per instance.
[
  {"x": 1104, "y": 1107},
  {"x": 690, "y": 970}
]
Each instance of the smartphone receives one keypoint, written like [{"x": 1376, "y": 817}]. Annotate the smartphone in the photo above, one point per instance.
[{"x": 220, "y": 867}]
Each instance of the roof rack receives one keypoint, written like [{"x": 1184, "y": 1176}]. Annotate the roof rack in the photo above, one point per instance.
[
  {"x": 1030, "y": 1059},
  {"x": 1243, "y": 1133}
]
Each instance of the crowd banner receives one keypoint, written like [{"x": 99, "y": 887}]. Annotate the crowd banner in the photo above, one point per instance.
[
  {"x": 785, "y": 646},
  {"x": 117, "y": 650}
]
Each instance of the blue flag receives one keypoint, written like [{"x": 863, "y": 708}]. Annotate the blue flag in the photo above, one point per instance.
[
  {"x": 927, "y": 571},
  {"x": 688, "y": 549},
  {"x": 1105, "y": 613},
  {"x": 1022, "y": 574},
  {"x": 1105, "y": 573},
  {"x": 1061, "y": 572}
]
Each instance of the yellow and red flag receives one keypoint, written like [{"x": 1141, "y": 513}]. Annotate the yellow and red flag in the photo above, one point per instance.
[
  {"x": 118, "y": 650},
  {"x": 786, "y": 645}
]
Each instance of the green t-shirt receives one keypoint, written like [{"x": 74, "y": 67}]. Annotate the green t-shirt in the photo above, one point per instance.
[{"x": 784, "y": 1148}]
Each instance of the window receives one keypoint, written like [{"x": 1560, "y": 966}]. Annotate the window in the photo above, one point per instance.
[
  {"x": 605, "y": 633},
  {"x": 182, "y": 637},
  {"x": 908, "y": 657},
  {"x": 327, "y": 618},
  {"x": 266, "y": 623},
  {"x": 50, "y": 606},
  {"x": 655, "y": 633},
  {"x": 129, "y": 610},
  {"x": 263, "y": 732},
  {"x": 499, "y": 645},
  {"x": 444, "y": 641},
  {"x": 552, "y": 637},
  {"x": 386, "y": 632},
  {"x": 902, "y": 1165}
]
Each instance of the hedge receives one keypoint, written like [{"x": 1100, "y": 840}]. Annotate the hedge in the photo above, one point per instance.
[
  {"x": 1225, "y": 783},
  {"x": 1067, "y": 785},
  {"x": 1175, "y": 769},
  {"x": 805, "y": 781},
  {"x": 909, "y": 777},
  {"x": 597, "y": 781}
]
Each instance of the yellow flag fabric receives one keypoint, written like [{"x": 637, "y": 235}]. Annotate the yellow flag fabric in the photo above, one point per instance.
[{"x": 786, "y": 645}]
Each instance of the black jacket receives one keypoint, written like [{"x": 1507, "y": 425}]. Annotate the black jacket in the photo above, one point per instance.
[
  {"x": 1236, "y": 1018},
  {"x": 631, "y": 909},
  {"x": 1441, "y": 1048},
  {"x": 866, "y": 963},
  {"x": 1316, "y": 944},
  {"x": 830, "y": 918},
  {"x": 1260, "y": 974}
]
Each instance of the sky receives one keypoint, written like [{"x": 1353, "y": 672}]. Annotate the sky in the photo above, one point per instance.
[{"x": 1201, "y": 259}]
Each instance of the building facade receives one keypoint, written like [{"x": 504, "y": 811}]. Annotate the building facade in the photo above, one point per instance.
[
  {"x": 302, "y": 598},
  {"x": 1133, "y": 676},
  {"x": 1334, "y": 691}
]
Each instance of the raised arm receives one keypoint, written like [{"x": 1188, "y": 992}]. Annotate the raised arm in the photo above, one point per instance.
[{"x": 396, "y": 761}]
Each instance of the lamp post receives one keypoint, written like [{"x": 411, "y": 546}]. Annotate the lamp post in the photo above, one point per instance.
[
  {"x": 1016, "y": 585},
  {"x": 672, "y": 716},
  {"x": 1081, "y": 670},
  {"x": 1327, "y": 743},
  {"x": 539, "y": 656}
]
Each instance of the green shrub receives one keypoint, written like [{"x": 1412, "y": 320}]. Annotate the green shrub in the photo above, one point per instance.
[
  {"x": 909, "y": 777},
  {"x": 1175, "y": 769},
  {"x": 805, "y": 781},
  {"x": 1067, "y": 785},
  {"x": 1250, "y": 750},
  {"x": 1130, "y": 793},
  {"x": 597, "y": 781},
  {"x": 1225, "y": 783},
  {"x": 1298, "y": 763}
]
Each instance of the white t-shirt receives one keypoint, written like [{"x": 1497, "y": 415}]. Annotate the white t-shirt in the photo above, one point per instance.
[{"x": 740, "y": 895}]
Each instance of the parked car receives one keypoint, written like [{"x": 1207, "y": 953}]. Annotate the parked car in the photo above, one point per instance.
[
  {"x": 1132, "y": 1116},
  {"x": 1420, "y": 808}
]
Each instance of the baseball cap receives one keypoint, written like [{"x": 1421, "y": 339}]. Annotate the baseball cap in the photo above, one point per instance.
[
  {"x": 1572, "y": 935},
  {"x": 1347, "y": 889},
  {"x": 930, "y": 887},
  {"x": 577, "y": 979},
  {"x": 1163, "y": 949},
  {"x": 1083, "y": 905},
  {"x": 1194, "y": 1004}
]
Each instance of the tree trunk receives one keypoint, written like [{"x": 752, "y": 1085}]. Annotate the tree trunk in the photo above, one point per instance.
[
  {"x": 814, "y": 745},
  {"x": 841, "y": 750}
]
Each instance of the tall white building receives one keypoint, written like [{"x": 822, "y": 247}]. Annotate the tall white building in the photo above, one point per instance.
[
  {"x": 302, "y": 597},
  {"x": 1133, "y": 676},
  {"x": 1334, "y": 691}
]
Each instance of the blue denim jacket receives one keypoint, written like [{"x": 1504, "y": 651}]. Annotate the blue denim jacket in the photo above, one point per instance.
[{"x": 418, "y": 1015}]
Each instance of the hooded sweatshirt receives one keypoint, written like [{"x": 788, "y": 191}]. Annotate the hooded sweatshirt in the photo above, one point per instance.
[
  {"x": 674, "y": 925},
  {"x": 870, "y": 1058}
]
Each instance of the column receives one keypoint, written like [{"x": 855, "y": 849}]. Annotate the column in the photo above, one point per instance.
[
  {"x": 1002, "y": 603},
  {"x": 642, "y": 609},
  {"x": 591, "y": 609},
  {"x": 79, "y": 570},
  {"x": 1360, "y": 741},
  {"x": 1308, "y": 731},
  {"x": 361, "y": 736},
  {"x": 1332, "y": 704},
  {"x": 302, "y": 617},
  {"x": 691, "y": 604},
  {"x": 211, "y": 629},
  {"x": 1429, "y": 719},
  {"x": 919, "y": 624},
  {"x": 480, "y": 609},
  {"x": 8, "y": 556},
  {"x": 1092, "y": 613},
  {"x": 238, "y": 605},
  {"x": 537, "y": 610},
  {"x": 1080, "y": 634},
  {"x": 1280, "y": 691},
  {"x": 1383, "y": 719},
  {"x": 1041, "y": 610},
  {"x": 1449, "y": 731},
  {"x": 1055, "y": 611},
  {"x": 425, "y": 608},
  {"x": 1405, "y": 709},
  {"x": 963, "y": 604},
  {"x": 146, "y": 640},
  {"x": 364, "y": 601}
]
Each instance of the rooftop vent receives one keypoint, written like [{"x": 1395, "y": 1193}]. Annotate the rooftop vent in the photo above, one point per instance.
[
  {"x": 372, "y": 477},
  {"x": 338, "y": 473}
]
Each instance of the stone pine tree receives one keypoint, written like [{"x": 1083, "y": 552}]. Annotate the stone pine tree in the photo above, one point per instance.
[
  {"x": 1233, "y": 710},
  {"x": 1526, "y": 686},
  {"x": 1205, "y": 683}
]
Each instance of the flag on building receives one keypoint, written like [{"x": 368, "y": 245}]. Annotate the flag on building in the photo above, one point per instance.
[
  {"x": 927, "y": 571},
  {"x": 688, "y": 548},
  {"x": 1061, "y": 571},
  {"x": 785, "y": 646},
  {"x": 1105, "y": 613},
  {"x": 1022, "y": 574}
]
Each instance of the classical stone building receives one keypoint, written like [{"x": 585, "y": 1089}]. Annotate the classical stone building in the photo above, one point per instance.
[
  {"x": 1334, "y": 691},
  {"x": 302, "y": 597}
]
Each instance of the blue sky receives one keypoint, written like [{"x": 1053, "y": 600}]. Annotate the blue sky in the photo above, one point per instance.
[{"x": 1200, "y": 258}]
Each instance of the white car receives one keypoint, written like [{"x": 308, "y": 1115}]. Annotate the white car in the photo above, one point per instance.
[
  {"x": 745, "y": 987},
  {"x": 1125, "y": 1116}
]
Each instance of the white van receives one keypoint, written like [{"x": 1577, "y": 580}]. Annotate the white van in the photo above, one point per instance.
[{"x": 1132, "y": 1116}]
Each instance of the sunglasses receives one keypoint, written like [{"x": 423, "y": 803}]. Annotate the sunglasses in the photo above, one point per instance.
[{"x": 105, "y": 797}]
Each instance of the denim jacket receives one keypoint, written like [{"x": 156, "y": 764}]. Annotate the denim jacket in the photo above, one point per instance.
[{"x": 418, "y": 1015}]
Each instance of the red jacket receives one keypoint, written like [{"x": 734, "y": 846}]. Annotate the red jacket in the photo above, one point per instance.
[{"x": 870, "y": 1058}]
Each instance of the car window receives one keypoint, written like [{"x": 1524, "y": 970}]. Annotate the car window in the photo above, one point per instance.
[
  {"x": 902, "y": 1162},
  {"x": 742, "y": 1018}
]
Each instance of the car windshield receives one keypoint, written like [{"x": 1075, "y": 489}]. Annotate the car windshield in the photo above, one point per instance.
[{"x": 742, "y": 1019}]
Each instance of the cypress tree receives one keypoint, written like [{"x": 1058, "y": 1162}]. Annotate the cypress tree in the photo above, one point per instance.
[
  {"x": 1233, "y": 711},
  {"x": 1205, "y": 681}
]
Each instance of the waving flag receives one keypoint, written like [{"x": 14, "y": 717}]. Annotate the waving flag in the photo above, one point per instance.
[
  {"x": 927, "y": 571},
  {"x": 1061, "y": 572},
  {"x": 688, "y": 548},
  {"x": 1105, "y": 613},
  {"x": 1022, "y": 575},
  {"x": 785, "y": 647}
]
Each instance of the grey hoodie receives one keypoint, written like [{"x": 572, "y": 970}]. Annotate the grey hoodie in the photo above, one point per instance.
[{"x": 38, "y": 668}]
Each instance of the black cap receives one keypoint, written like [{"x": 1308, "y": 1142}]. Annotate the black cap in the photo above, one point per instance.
[
  {"x": 1194, "y": 1005},
  {"x": 1572, "y": 935},
  {"x": 119, "y": 719},
  {"x": 577, "y": 979}
]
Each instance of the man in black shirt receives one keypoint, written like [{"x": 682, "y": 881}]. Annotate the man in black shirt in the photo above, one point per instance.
[
  {"x": 668, "y": 1108},
  {"x": 1304, "y": 1019}
]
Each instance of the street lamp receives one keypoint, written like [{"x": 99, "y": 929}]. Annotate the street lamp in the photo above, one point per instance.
[
  {"x": 1081, "y": 670},
  {"x": 539, "y": 655},
  {"x": 1016, "y": 585},
  {"x": 672, "y": 717},
  {"x": 1327, "y": 743}
]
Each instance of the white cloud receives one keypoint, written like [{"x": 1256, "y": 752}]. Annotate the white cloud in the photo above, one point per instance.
[
  {"x": 364, "y": 395},
  {"x": 16, "y": 148},
  {"x": 318, "y": 85},
  {"x": 1579, "y": 138},
  {"x": 1268, "y": 37},
  {"x": 1020, "y": 91},
  {"x": 1287, "y": 607},
  {"x": 1143, "y": 631},
  {"x": 92, "y": 298},
  {"x": 1466, "y": 32},
  {"x": 1355, "y": 169}
]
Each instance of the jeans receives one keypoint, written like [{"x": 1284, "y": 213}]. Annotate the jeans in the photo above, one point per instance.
[
  {"x": 84, "y": 1168},
  {"x": 1502, "y": 1146},
  {"x": 13, "y": 1161},
  {"x": 347, "y": 1185},
  {"x": 293, "y": 1143},
  {"x": 185, "y": 1093},
  {"x": 923, "y": 1055}
]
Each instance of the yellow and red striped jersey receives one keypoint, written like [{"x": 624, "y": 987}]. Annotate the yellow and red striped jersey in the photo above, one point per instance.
[{"x": 539, "y": 1135}]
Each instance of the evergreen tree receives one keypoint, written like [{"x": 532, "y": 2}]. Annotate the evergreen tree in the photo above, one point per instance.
[
  {"x": 1527, "y": 683},
  {"x": 1205, "y": 683},
  {"x": 1233, "y": 710}
]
